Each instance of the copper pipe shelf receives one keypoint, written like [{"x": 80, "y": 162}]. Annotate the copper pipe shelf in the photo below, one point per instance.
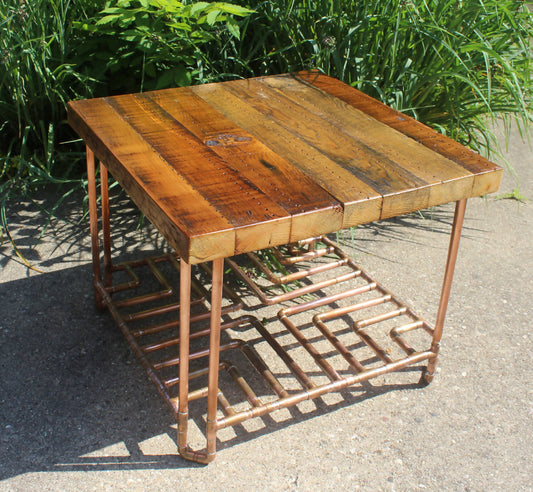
[
  {"x": 316, "y": 354},
  {"x": 360, "y": 310},
  {"x": 333, "y": 333},
  {"x": 149, "y": 320},
  {"x": 318, "y": 249}
]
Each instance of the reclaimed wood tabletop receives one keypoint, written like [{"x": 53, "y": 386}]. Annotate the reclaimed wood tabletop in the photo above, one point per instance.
[{"x": 231, "y": 167}]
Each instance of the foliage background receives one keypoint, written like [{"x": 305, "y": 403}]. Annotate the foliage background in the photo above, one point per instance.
[{"x": 453, "y": 64}]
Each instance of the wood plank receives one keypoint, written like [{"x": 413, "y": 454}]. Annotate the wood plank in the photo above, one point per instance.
[
  {"x": 421, "y": 178},
  {"x": 237, "y": 166},
  {"x": 368, "y": 164},
  {"x": 487, "y": 174},
  {"x": 210, "y": 176},
  {"x": 362, "y": 203},
  {"x": 288, "y": 187},
  {"x": 152, "y": 184},
  {"x": 391, "y": 145},
  {"x": 258, "y": 220}
]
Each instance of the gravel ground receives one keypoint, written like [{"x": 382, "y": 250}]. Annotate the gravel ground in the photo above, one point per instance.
[{"x": 78, "y": 413}]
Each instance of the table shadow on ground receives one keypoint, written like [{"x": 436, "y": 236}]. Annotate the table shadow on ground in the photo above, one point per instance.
[
  {"x": 74, "y": 397},
  {"x": 46, "y": 237}
]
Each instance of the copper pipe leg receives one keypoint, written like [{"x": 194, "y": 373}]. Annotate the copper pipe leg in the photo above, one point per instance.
[
  {"x": 183, "y": 395},
  {"x": 93, "y": 221},
  {"x": 455, "y": 237},
  {"x": 106, "y": 230},
  {"x": 214, "y": 356}
]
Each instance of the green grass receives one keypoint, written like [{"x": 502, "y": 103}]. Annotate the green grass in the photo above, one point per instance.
[
  {"x": 37, "y": 78},
  {"x": 450, "y": 64}
]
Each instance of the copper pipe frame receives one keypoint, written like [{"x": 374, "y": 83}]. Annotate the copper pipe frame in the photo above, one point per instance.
[
  {"x": 104, "y": 289},
  {"x": 310, "y": 390},
  {"x": 400, "y": 308},
  {"x": 320, "y": 319},
  {"x": 214, "y": 354},
  {"x": 93, "y": 221},
  {"x": 453, "y": 249},
  {"x": 338, "y": 382},
  {"x": 215, "y": 398},
  {"x": 342, "y": 260}
]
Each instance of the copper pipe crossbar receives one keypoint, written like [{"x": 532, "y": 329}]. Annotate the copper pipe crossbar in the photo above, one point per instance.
[
  {"x": 340, "y": 261},
  {"x": 334, "y": 333}
]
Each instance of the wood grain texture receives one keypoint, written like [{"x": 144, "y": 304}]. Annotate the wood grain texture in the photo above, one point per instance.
[
  {"x": 151, "y": 183},
  {"x": 393, "y": 164},
  {"x": 295, "y": 192},
  {"x": 487, "y": 174},
  {"x": 361, "y": 201},
  {"x": 251, "y": 212},
  {"x": 238, "y": 166}
]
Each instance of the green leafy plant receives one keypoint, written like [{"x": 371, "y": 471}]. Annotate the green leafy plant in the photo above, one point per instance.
[
  {"x": 513, "y": 195},
  {"x": 52, "y": 51},
  {"x": 158, "y": 43},
  {"x": 453, "y": 64}
]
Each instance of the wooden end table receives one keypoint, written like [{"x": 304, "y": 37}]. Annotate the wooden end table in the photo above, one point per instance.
[{"x": 235, "y": 167}]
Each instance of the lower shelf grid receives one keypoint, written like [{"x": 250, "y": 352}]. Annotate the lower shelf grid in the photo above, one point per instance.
[{"x": 329, "y": 338}]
